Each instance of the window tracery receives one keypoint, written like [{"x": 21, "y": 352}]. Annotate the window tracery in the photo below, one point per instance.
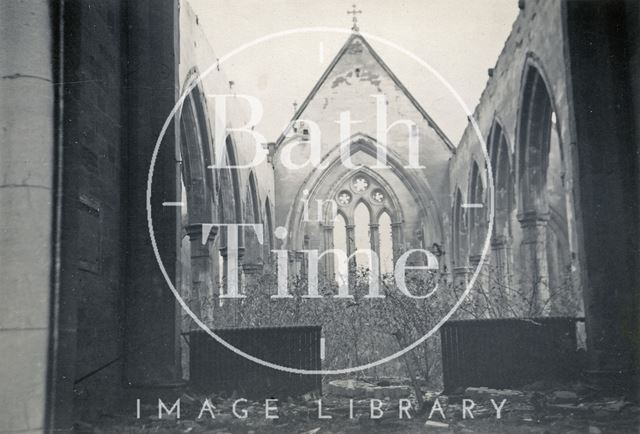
[{"x": 364, "y": 222}]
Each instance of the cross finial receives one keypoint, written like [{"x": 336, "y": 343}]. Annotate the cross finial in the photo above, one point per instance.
[{"x": 354, "y": 12}]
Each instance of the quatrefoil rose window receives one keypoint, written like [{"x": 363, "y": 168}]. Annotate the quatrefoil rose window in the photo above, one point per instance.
[
  {"x": 344, "y": 198},
  {"x": 360, "y": 184},
  {"x": 377, "y": 196},
  {"x": 361, "y": 188}
]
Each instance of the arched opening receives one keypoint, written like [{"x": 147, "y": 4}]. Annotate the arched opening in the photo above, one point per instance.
[
  {"x": 268, "y": 232},
  {"x": 341, "y": 268},
  {"x": 460, "y": 240},
  {"x": 196, "y": 267},
  {"x": 503, "y": 206},
  {"x": 230, "y": 211},
  {"x": 558, "y": 249},
  {"x": 477, "y": 218},
  {"x": 545, "y": 256},
  {"x": 252, "y": 264},
  {"x": 378, "y": 189},
  {"x": 385, "y": 250},
  {"x": 503, "y": 183},
  {"x": 362, "y": 236}
]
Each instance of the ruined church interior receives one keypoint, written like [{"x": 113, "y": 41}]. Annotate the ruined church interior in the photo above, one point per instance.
[{"x": 116, "y": 182}]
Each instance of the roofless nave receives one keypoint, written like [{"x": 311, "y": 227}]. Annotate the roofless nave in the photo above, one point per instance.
[{"x": 91, "y": 321}]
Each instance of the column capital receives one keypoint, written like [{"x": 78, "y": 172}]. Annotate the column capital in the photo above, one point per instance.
[
  {"x": 194, "y": 231},
  {"x": 253, "y": 268},
  {"x": 461, "y": 270},
  {"x": 533, "y": 217},
  {"x": 474, "y": 260},
  {"x": 498, "y": 241},
  {"x": 224, "y": 251}
]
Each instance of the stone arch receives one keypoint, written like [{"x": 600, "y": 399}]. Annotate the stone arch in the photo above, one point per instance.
[
  {"x": 196, "y": 158},
  {"x": 253, "y": 259},
  {"x": 268, "y": 231},
  {"x": 361, "y": 231},
  {"x": 417, "y": 186},
  {"x": 384, "y": 210},
  {"x": 540, "y": 169},
  {"x": 326, "y": 182},
  {"x": 368, "y": 206},
  {"x": 231, "y": 184},
  {"x": 395, "y": 211},
  {"x": 500, "y": 155},
  {"x": 196, "y": 265},
  {"x": 229, "y": 211},
  {"x": 229, "y": 193},
  {"x": 477, "y": 216},
  {"x": 252, "y": 187},
  {"x": 533, "y": 141}
]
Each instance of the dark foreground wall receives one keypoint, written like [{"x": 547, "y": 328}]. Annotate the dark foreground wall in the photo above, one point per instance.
[
  {"x": 113, "y": 322},
  {"x": 603, "y": 47}
]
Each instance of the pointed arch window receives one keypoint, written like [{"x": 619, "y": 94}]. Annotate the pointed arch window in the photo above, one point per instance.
[
  {"x": 340, "y": 243},
  {"x": 460, "y": 240},
  {"x": 365, "y": 222},
  {"x": 362, "y": 234},
  {"x": 385, "y": 250}
]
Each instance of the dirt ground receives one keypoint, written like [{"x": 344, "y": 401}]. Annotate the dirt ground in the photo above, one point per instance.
[{"x": 540, "y": 412}]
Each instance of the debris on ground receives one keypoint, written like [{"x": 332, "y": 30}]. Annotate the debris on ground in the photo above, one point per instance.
[{"x": 533, "y": 409}]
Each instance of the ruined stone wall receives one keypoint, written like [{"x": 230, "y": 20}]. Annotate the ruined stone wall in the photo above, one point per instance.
[
  {"x": 93, "y": 231},
  {"x": 124, "y": 69},
  {"x": 538, "y": 40},
  {"x": 419, "y": 194},
  {"x": 199, "y": 62},
  {"x": 605, "y": 107}
]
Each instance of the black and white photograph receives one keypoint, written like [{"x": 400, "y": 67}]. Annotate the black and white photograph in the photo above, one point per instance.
[{"x": 320, "y": 217}]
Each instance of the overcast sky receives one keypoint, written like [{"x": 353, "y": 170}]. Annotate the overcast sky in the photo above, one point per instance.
[{"x": 461, "y": 39}]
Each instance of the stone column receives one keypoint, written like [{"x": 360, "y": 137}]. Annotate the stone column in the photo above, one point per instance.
[
  {"x": 351, "y": 240},
  {"x": 202, "y": 284},
  {"x": 460, "y": 275},
  {"x": 501, "y": 254},
  {"x": 501, "y": 263},
  {"x": 475, "y": 262},
  {"x": 328, "y": 245},
  {"x": 351, "y": 246},
  {"x": 374, "y": 237},
  {"x": 236, "y": 264},
  {"x": 397, "y": 239},
  {"x": 534, "y": 274}
]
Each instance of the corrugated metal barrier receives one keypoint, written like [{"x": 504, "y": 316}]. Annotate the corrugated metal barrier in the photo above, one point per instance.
[
  {"x": 507, "y": 353},
  {"x": 216, "y": 369}
]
